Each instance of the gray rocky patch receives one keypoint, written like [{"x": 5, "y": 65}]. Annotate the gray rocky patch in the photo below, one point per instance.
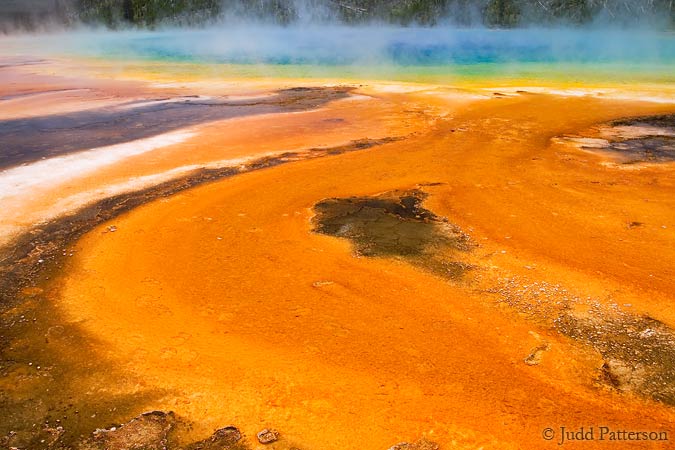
[
  {"x": 634, "y": 140},
  {"x": 267, "y": 436},
  {"x": 154, "y": 430},
  {"x": 534, "y": 358},
  {"x": 223, "y": 439},
  {"x": 638, "y": 351},
  {"x": 422, "y": 444},
  {"x": 149, "y": 431}
]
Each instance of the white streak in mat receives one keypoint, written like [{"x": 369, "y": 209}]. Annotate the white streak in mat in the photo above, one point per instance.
[
  {"x": 186, "y": 100},
  {"x": 16, "y": 217},
  {"x": 399, "y": 88},
  {"x": 19, "y": 180},
  {"x": 76, "y": 201},
  {"x": 81, "y": 199},
  {"x": 667, "y": 96}
]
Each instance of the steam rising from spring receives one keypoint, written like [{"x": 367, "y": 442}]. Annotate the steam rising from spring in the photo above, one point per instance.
[
  {"x": 372, "y": 46},
  {"x": 41, "y": 14},
  {"x": 315, "y": 41}
]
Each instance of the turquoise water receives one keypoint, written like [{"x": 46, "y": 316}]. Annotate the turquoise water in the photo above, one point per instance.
[{"x": 411, "y": 54}]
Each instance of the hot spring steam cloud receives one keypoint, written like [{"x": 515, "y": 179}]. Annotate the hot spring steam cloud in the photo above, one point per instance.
[
  {"x": 334, "y": 46},
  {"x": 36, "y": 14}
]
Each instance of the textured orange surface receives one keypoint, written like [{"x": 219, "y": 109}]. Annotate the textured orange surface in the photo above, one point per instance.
[{"x": 224, "y": 300}]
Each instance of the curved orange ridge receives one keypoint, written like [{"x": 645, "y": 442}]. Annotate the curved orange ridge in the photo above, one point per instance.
[{"x": 224, "y": 299}]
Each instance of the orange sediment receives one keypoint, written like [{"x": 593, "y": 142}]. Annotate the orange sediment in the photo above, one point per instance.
[{"x": 223, "y": 298}]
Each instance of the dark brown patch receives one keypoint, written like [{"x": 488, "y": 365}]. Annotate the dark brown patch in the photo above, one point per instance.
[{"x": 394, "y": 224}]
